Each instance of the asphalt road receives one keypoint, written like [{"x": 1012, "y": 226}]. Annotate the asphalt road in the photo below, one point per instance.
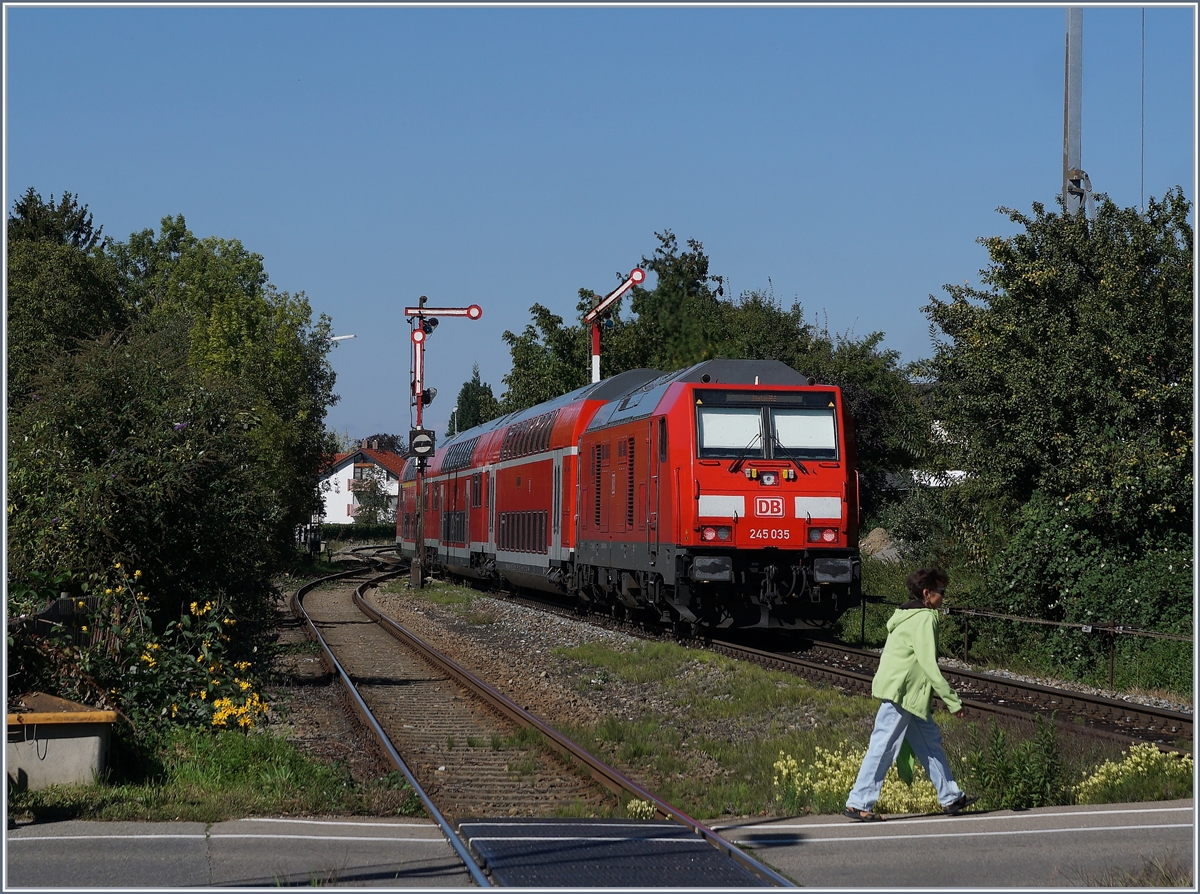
[
  {"x": 240, "y": 853},
  {"x": 1048, "y": 847}
]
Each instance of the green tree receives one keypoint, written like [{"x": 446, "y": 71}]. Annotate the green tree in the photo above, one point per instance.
[
  {"x": 167, "y": 437},
  {"x": 374, "y": 502},
  {"x": 680, "y": 319},
  {"x": 242, "y": 329},
  {"x": 128, "y": 454},
  {"x": 383, "y": 441},
  {"x": 476, "y": 404},
  {"x": 62, "y": 287},
  {"x": 685, "y": 319},
  {"x": 1067, "y": 387}
]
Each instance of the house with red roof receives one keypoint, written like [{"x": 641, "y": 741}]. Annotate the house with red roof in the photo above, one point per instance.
[{"x": 345, "y": 474}]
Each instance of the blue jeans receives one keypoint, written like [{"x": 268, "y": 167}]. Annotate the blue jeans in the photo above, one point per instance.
[{"x": 892, "y": 726}]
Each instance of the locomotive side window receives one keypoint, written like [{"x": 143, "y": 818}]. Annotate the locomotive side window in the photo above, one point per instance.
[
  {"x": 802, "y": 433},
  {"x": 662, "y": 439},
  {"x": 729, "y": 431}
]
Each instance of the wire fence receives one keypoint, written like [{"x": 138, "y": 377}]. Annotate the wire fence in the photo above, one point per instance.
[{"x": 1111, "y": 628}]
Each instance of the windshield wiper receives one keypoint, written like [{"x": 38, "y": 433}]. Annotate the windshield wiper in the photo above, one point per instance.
[
  {"x": 795, "y": 462},
  {"x": 740, "y": 461}
]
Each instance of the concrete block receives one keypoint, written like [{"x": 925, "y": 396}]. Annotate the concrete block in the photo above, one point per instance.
[{"x": 52, "y": 741}]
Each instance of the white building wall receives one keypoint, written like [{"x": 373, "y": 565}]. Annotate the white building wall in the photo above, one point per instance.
[{"x": 338, "y": 498}]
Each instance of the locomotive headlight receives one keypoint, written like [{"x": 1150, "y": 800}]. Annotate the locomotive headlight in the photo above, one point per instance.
[
  {"x": 724, "y": 533},
  {"x": 817, "y": 535},
  {"x": 829, "y": 535},
  {"x": 709, "y": 533},
  {"x": 769, "y": 478}
]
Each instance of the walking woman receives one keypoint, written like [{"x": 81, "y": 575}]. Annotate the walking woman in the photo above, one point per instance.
[{"x": 906, "y": 681}]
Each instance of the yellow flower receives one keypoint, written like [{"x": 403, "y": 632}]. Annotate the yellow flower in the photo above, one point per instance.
[
  {"x": 84, "y": 628},
  {"x": 229, "y": 622},
  {"x": 203, "y": 695},
  {"x": 137, "y": 574},
  {"x": 108, "y": 591},
  {"x": 117, "y": 565},
  {"x": 174, "y": 710}
]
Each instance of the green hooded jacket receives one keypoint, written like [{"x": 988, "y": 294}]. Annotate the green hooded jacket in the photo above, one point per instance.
[{"x": 908, "y": 670}]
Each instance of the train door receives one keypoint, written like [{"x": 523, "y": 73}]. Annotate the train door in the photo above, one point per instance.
[
  {"x": 655, "y": 470},
  {"x": 491, "y": 511},
  {"x": 556, "y": 508}
]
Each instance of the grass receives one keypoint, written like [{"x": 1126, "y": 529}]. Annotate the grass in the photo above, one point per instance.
[
  {"x": 201, "y": 776},
  {"x": 709, "y": 746},
  {"x": 462, "y": 601},
  {"x": 1169, "y": 871},
  {"x": 687, "y": 754}
]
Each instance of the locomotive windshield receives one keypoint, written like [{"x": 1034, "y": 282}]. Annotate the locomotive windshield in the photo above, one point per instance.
[
  {"x": 766, "y": 425},
  {"x": 804, "y": 433},
  {"x": 729, "y": 431}
]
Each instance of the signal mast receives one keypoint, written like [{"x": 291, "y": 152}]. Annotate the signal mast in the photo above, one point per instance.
[
  {"x": 421, "y": 441},
  {"x": 602, "y": 313}
]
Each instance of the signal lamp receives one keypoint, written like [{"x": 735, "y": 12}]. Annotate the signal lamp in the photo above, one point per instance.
[
  {"x": 427, "y": 396},
  {"x": 429, "y": 324}
]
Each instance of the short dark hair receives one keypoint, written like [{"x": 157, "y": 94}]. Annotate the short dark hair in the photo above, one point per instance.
[{"x": 925, "y": 579}]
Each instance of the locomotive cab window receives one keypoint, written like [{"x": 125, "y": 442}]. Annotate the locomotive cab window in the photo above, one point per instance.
[
  {"x": 729, "y": 431},
  {"x": 797, "y": 425},
  {"x": 803, "y": 433}
]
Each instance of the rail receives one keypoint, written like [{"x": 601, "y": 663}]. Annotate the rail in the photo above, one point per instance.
[
  {"x": 447, "y": 828},
  {"x": 611, "y": 778}
]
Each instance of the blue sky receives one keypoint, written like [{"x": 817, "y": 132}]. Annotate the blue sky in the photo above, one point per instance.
[{"x": 847, "y": 157}]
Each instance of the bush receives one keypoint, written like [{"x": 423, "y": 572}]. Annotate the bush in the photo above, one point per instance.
[
  {"x": 822, "y": 784},
  {"x": 1015, "y": 776},
  {"x": 359, "y": 532},
  {"x": 1146, "y": 774},
  {"x": 124, "y": 454}
]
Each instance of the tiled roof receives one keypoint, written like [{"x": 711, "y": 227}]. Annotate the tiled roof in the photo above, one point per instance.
[{"x": 392, "y": 462}]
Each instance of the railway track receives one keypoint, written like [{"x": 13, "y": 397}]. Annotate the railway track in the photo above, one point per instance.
[
  {"x": 983, "y": 694},
  {"x": 466, "y": 750},
  {"x": 986, "y": 694}
]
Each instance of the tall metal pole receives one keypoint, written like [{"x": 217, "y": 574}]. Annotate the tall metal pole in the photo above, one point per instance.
[
  {"x": 421, "y": 442},
  {"x": 418, "y": 562},
  {"x": 1077, "y": 188}
]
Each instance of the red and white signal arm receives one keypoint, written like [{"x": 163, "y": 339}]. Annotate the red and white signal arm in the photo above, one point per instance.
[{"x": 471, "y": 312}]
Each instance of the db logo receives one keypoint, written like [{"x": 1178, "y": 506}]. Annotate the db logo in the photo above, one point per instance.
[{"x": 768, "y": 507}]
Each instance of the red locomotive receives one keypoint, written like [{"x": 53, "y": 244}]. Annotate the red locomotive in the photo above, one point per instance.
[{"x": 722, "y": 495}]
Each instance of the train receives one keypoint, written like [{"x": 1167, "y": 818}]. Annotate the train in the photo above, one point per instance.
[{"x": 723, "y": 495}]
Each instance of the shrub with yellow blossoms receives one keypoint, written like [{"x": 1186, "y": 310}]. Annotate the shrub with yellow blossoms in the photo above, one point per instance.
[
  {"x": 186, "y": 675},
  {"x": 822, "y": 783},
  {"x": 1144, "y": 774}
]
